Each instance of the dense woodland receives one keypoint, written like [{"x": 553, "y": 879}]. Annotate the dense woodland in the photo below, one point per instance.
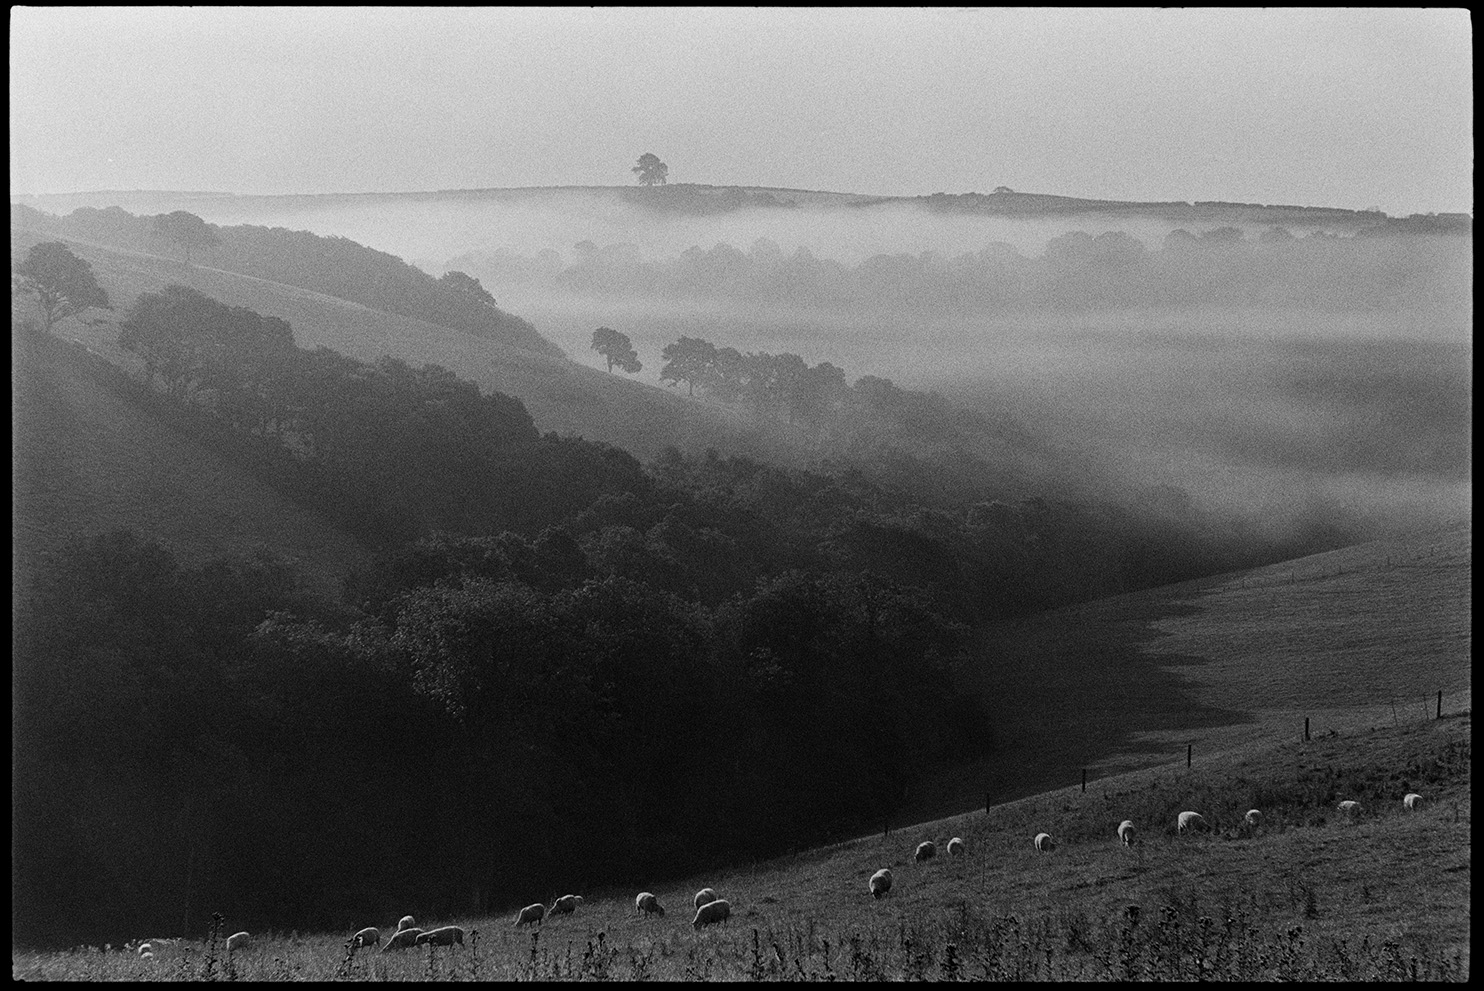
[{"x": 566, "y": 667}]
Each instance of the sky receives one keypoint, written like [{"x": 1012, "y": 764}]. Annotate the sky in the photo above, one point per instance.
[{"x": 1350, "y": 108}]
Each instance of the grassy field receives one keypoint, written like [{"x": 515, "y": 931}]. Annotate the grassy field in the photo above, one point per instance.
[{"x": 1311, "y": 894}]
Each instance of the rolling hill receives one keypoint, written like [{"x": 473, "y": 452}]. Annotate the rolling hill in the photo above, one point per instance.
[{"x": 87, "y": 460}]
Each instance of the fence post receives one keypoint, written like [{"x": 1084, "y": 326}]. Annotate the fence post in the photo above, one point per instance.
[
  {"x": 1306, "y": 727},
  {"x": 986, "y": 803},
  {"x": 1188, "y": 748},
  {"x": 1084, "y": 780},
  {"x": 1440, "y": 704}
]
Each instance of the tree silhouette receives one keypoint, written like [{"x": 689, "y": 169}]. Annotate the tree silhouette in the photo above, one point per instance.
[
  {"x": 689, "y": 360},
  {"x": 186, "y": 230},
  {"x": 63, "y": 283},
  {"x": 617, "y": 349},
  {"x": 650, "y": 170}
]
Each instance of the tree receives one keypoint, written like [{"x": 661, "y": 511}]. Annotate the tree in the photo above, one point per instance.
[
  {"x": 467, "y": 286},
  {"x": 617, "y": 349},
  {"x": 186, "y": 230},
  {"x": 650, "y": 170},
  {"x": 689, "y": 360},
  {"x": 63, "y": 283}
]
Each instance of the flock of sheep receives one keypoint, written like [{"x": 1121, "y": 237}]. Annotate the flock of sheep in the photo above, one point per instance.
[{"x": 710, "y": 907}]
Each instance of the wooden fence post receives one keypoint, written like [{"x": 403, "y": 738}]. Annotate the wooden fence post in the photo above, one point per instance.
[
  {"x": 1440, "y": 703},
  {"x": 1084, "y": 781},
  {"x": 1306, "y": 727},
  {"x": 1188, "y": 748}
]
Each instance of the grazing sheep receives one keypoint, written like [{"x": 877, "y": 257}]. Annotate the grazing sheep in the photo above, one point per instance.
[
  {"x": 704, "y": 897},
  {"x": 370, "y": 936},
  {"x": 1044, "y": 843},
  {"x": 530, "y": 914},
  {"x": 717, "y": 911},
  {"x": 1350, "y": 807},
  {"x": 565, "y": 905},
  {"x": 1126, "y": 832},
  {"x": 880, "y": 883},
  {"x": 1412, "y": 801},
  {"x": 146, "y": 950},
  {"x": 926, "y": 850},
  {"x": 238, "y": 941},
  {"x": 647, "y": 904},
  {"x": 955, "y": 846},
  {"x": 1189, "y": 822},
  {"x": 1253, "y": 818},
  {"x": 447, "y": 936},
  {"x": 402, "y": 939},
  {"x": 406, "y": 922}
]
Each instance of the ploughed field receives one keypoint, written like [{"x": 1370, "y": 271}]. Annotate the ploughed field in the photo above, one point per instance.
[{"x": 1310, "y": 894}]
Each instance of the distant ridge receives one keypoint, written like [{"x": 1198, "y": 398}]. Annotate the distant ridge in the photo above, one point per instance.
[{"x": 704, "y": 198}]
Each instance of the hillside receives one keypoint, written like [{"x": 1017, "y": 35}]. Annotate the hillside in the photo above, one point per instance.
[
  {"x": 1223, "y": 664},
  {"x": 561, "y": 395},
  {"x": 700, "y": 199},
  {"x": 1308, "y": 895},
  {"x": 87, "y": 460}
]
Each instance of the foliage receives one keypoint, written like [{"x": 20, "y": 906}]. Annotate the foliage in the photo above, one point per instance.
[
  {"x": 650, "y": 170},
  {"x": 64, "y": 284},
  {"x": 185, "y": 231},
  {"x": 616, "y": 349}
]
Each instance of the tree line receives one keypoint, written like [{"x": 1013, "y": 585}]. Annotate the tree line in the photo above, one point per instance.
[{"x": 1404, "y": 265}]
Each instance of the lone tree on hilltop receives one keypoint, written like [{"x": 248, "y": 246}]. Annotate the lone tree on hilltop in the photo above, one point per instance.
[
  {"x": 617, "y": 349},
  {"x": 468, "y": 286},
  {"x": 63, "y": 283},
  {"x": 186, "y": 231},
  {"x": 650, "y": 170}
]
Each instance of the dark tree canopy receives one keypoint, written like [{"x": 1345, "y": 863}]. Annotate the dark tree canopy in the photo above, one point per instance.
[
  {"x": 689, "y": 360},
  {"x": 186, "y": 231},
  {"x": 467, "y": 286},
  {"x": 650, "y": 170},
  {"x": 63, "y": 283},
  {"x": 617, "y": 349}
]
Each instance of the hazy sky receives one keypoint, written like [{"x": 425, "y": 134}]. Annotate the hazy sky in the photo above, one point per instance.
[{"x": 1349, "y": 108}]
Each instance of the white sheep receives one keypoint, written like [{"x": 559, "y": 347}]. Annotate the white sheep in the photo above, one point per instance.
[
  {"x": 402, "y": 939},
  {"x": 704, "y": 897},
  {"x": 446, "y": 936},
  {"x": 1189, "y": 822},
  {"x": 406, "y": 922},
  {"x": 1350, "y": 807},
  {"x": 1044, "y": 843},
  {"x": 565, "y": 905},
  {"x": 880, "y": 882},
  {"x": 716, "y": 911},
  {"x": 1126, "y": 832},
  {"x": 926, "y": 850},
  {"x": 955, "y": 846},
  {"x": 370, "y": 936},
  {"x": 530, "y": 914},
  {"x": 146, "y": 950},
  {"x": 1253, "y": 818},
  {"x": 647, "y": 904},
  {"x": 238, "y": 941},
  {"x": 1412, "y": 801}
]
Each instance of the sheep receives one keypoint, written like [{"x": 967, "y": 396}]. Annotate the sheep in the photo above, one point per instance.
[
  {"x": 402, "y": 939},
  {"x": 1189, "y": 822},
  {"x": 446, "y": 936},
  {"x": 1126, "y": 832},
  {"x": 704, "y": 897},
  {"x": 717, "y": 911},
  {"x": 370, "y": 936},
  {"x": 1044, "y": 843},
  {"x": 880, "y": 883},
  {"x": 1412, "y": 801},
  {"x": 1253, "y": 818},
  {"x": 406, "y": 922},
  {"x": 565, "y": 905},
  {"x": 579, "y": 899},
  {"x": 926, "y": 850},
  {"x": 647, "y": 904},
  {"x": 146, "y": 950},
  {"x": 1350, "y": 807},
  {"x": 955, "y": 846},
  {"x": 530, "y": 914},
  {"x": 238, "y": 941}
]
